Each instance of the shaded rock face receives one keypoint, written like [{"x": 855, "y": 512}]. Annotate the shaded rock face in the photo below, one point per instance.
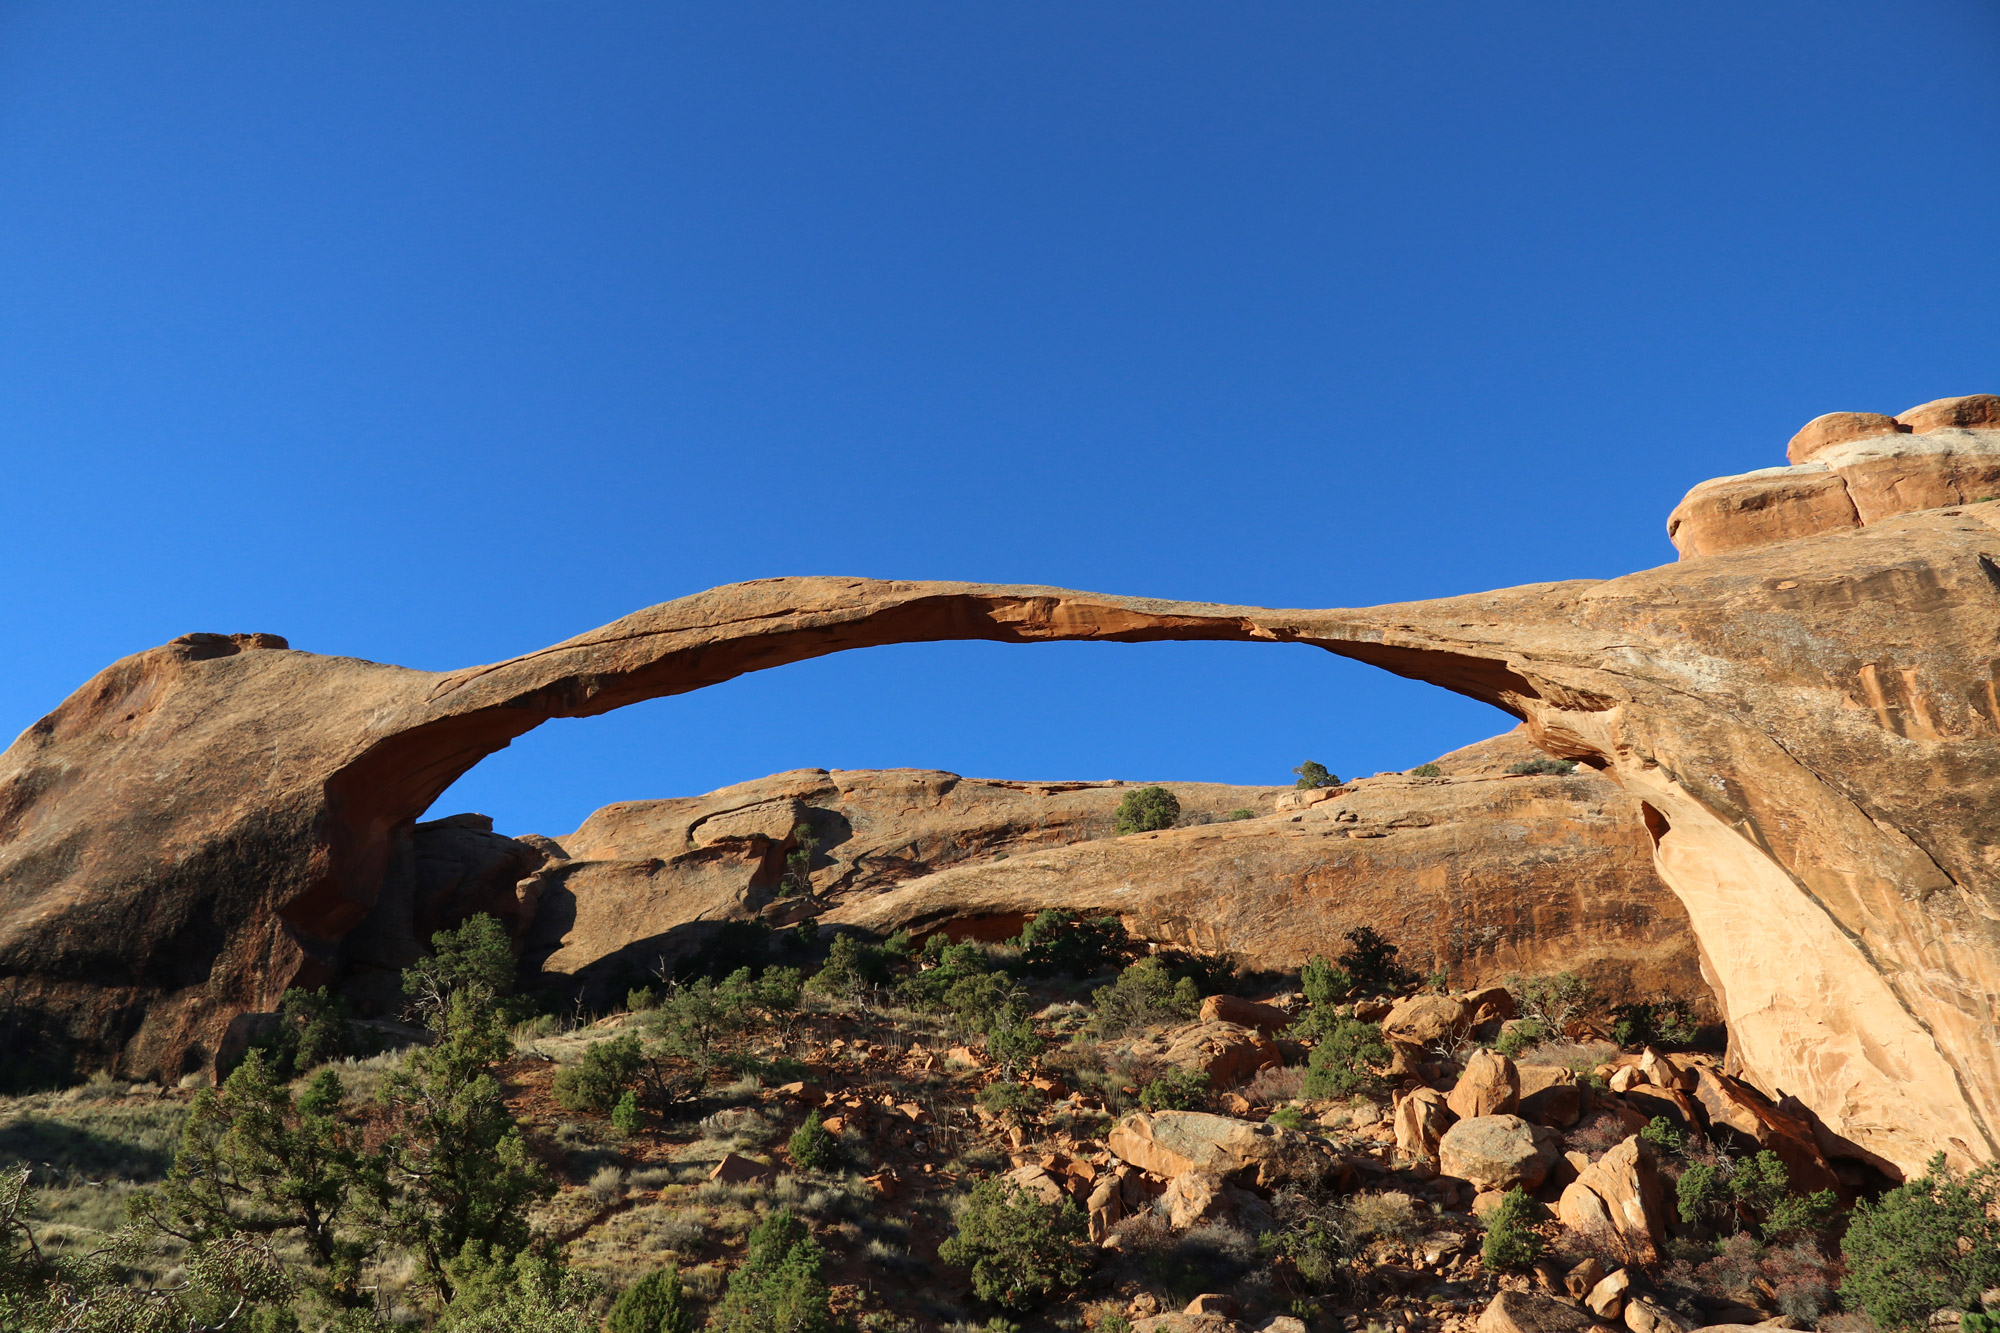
[
  {"x": 1812, "y": 729},
  {"x": 1477, "y": 872}
]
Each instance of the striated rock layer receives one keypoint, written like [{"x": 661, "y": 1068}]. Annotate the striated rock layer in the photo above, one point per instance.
[{"x": 1812, "y": 729}]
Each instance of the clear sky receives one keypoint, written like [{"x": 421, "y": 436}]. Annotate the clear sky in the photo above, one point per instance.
[{"x": 434, "y": 333}]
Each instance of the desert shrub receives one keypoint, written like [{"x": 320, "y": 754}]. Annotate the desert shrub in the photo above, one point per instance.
[
  {"x": 1521, "y": 1036},
  {"x": 1313, "y": 774},
  {"x": 1931, "y": 1244},
  {"x": 797, "y": 878},
  {"x": 1146, "y": 809},
  {"x": 1554, "y": 1000},
  {"x": 1144, "y": 995},
  {"x": 625, "y": 1114},
  {"x": 812, "y": 1147},
  {"x": 1210, "y": 973},
  {"x": 1371, "y": 961},
  {"x": 1235, "y": 815},
  {"x": 641, "y": 998},
  {"x": 1554, "y": 767},
  {"x": 314, "y": 1027},
  {"x": 1009, "y": 1100},
  {"x": 1056, "y": 942},
  {"x": 1175, "y": 1090},
  {"x": 1796, "y": 1278},
  {"x": 1654, "y": 1023},
  {"x": 595, "y": 1081},
  {"x": 1012, "y": 1041},
  {"x": 1289, "y": 1117},
  {"x": 1275, "y": 1085},
  {"x": 1426, "y": 771},
  {"x": 850, "y": 968},
  {"x": 1660, "y": 1135},
  {"x": 1511, "y": 1243},
  {"x": 1021, "y": 1250},
  {"x": 1345, "y": 1060},
  {"x": 777, "y": 1288},
  {"x": 656, "y": 1303}
]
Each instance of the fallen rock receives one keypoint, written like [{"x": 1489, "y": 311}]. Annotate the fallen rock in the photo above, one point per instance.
[
  {"x": 1036, "y": 1180},
  {"x": 1647, "y": 1316},
  {"x": 1416, "y": 1023},
  {"x": 1214, "y": 1303},
  {"x": 1580, "y": 1279},
  {"x": 1550, "y": 1096},
  {"x": 1497, "y": 1152},
  {"x": 1489, "y": 1086},
  {"x": 736, "y": 1170},
  {"x": 1266, "y": 1018},
  {"x": 1532, "y": 1312},
  {"x": 1617, "y": 1204},
  {"x": 1421, "y": 1120},
  {"x": 1735, "y": 1111},
  {"x": 1228, "y": 1053},
  {"x": 1170, "y": 1144},
  {"x": 1177, "y": 1322},
  {"x": 1105, "y": 1208},
  {"x": 1607, "y": 1299}
]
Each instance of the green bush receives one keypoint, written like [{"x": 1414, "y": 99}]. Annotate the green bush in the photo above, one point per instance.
[
  {"x": 1289, "y": 1117},
  {"x": 1520, "y": 1036},
  {"x": 1344, "y": 1062},
  {"x": 851, "y": 967},
  {"x": 477, "y": 955},
  {"x": 1057, "y": 942},
  {"x": 777, "y": 1288},
  {"x": 1654, "y": 1023},
  {"x": 1323, "y": 983},
  {"x": 314, "y": 1027},
  {"x": 655, "y": 1303},
  {"x": 1426, "y": 771},
  {"x": 1511, "y": 1243},
  {"x": 1235, "y": 815},
  {"x": 1555, "y": 1000},
  {"x": 1555, "y": 767},
  {"x": 1146, "y": 809},
  {"x": 1371, "y": 961},
  {"x": 1144, "y": 995},
  {"x": 797, "y": 879},
  {"x": 625, "y": 1116},
  {"x": 1932, "y": 1244},
  {"x": 1175, "y": 1090},
  {"x": 641, "y": 998},
  {"x": 1660, "y": 1135},
  {"x": 594, "y": 1082},
  {"x": 1009, "y": 1100},
  {"x": 1021, "y": 1250},
  {"x": 812, "y": 1148},
  {"x": 1313, "y": 774}
]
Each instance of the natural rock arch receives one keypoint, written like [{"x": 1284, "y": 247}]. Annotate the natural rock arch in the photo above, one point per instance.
[{"x": 200, "y": 824}]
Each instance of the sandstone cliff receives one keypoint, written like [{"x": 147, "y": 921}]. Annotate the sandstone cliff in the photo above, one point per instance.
[{"x": 1812, "y": 728}]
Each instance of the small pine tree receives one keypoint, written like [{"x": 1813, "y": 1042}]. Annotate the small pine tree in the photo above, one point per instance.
[
  {"x": 812, "y": 1148},
  {"x": 777, "y": 1286},
  {"x": 1145, "y": 810},
  {"x": 1324, "y": 983},
  {"x": 1511, "y": 1243},
  {"x": 1931, "y": 1244},
  {"x": 477, "y": 955},
  {"x": 656, "y": 1303},
  {"x": 1344, "y": 1062},
  {"x": 593, "y": 1082},
  {"x": 625, "y": 1116},
  {"x": 1021, "y": 1250},
  {"x": 1371, "y": 961},
  {"x": 1175, "y": 1090}
]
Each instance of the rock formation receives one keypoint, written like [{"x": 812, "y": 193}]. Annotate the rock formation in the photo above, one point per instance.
[
  {"x": 1847, "y": 470},
  {"x": 1813, "y": 731}
]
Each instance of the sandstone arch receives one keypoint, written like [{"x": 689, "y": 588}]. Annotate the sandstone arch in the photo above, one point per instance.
[{"x": 1815, "y": 722}]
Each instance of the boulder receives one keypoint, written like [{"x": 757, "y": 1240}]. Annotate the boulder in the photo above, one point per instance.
[
  {"x": 1580, "y": 1279},
  {"x": 736, "y": 1170},
  {"x": 1105, "y": 1207},
  {"x": 1417, "y": 1023},
  {"x": 1228, "y": 1053},
  {"x": 1198, "y": 1196},
  {"x": 1532, "y": 1312},
  {"x": 1823, "y": 432},
  {"x": 1497, "y": 1152},
  {"x": 1979, "y": 411},
  {"x": 1266, "y": 1018},
  {"x": 1035, "y": 1179},
  {"x": 1663, "y": 1071},
  {"x": 1617, "y": 1204},
  {"x": 1215, "y": 1303},
  {"x": 1178, "y": 1322},
  {"x": 1421, "y": 1120},
  {"x": 1170, "y": 1144},
  {"x": 1647, "y": 1316},
  {"x": 1607, "y": 1299},
  {"x": 1489, "y": 1086},
  {"x": 1550, "y": 1096}
]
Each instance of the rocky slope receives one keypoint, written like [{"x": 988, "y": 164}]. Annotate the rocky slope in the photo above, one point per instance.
[
  {"x": 1475, "y": 871},
  {"x": 1812, "y": 728}
]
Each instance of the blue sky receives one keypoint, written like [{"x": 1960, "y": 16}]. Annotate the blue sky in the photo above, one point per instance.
[{"x": 432, "y": 334}]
